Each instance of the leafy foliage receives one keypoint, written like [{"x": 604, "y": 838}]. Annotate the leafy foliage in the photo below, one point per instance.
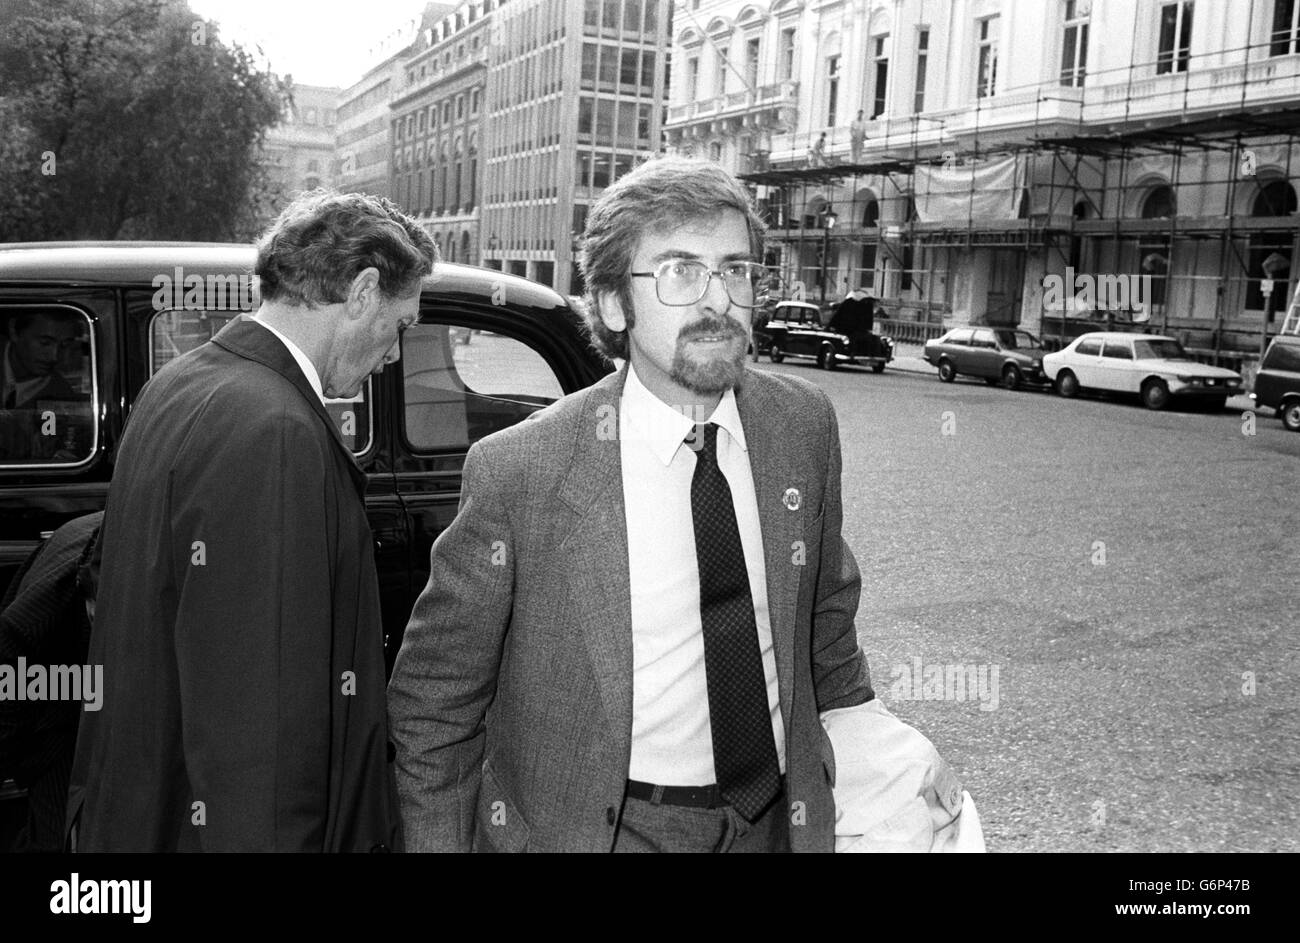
[{"x": 128, "y": 119}]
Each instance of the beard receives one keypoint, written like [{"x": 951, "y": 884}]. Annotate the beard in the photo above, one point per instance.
[{"x": 714, "y": 372}]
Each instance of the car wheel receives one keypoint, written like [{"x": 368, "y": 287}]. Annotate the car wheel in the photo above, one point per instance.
[
  {"x": 1011, "y": 376},
  {"x": 826, "y": 357},
  {"x": 1291, "y": 415},
  {"x": 1155, "y": 395},
  {"x": 946, "y": 371},
  {"x": 776, "y": 353},
  {"x": 877, "y": 368},
  {"x": 1067, "y": 384}
]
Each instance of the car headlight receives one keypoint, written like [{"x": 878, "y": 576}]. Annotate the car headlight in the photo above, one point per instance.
[{"x": 1182, "y": 379}]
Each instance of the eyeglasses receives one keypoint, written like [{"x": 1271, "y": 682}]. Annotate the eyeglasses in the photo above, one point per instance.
[{"x": 681, "y": 282}]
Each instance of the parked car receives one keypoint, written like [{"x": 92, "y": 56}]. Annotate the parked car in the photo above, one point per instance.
[
  {"x": 1277, "y": 385},
  {"x": 1154, "y": 367},
  {"x": 102, "y": 307},
  {"x": 795, "y": 330},
  {"x": 997, "y": 354}
]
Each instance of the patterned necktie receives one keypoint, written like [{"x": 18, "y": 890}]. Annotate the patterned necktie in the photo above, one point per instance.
[{"x": 744, "y": 753}]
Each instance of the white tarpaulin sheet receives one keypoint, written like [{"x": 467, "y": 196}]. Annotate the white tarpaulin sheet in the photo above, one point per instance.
[{"x": 988, "y": 190}]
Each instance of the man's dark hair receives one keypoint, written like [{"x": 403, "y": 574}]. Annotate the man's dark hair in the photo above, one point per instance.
[
  {"x": 323, "y": 239},
  {"x": 663, "y": 193}
]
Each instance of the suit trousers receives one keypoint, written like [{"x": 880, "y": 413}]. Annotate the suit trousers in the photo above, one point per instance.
[{"x": 645, "y": 826}]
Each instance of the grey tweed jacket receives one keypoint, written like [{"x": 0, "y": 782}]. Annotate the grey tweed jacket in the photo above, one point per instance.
[{"x": 511, "y": 700}]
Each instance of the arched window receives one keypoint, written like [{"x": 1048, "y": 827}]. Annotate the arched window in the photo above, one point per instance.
[
  {"x": 1159, "y": 203},
  {"x": 1270, "y": 251},
  {"x": 1154, "y": 251}
]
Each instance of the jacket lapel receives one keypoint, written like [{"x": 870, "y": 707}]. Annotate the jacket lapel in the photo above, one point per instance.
[
  {"x": 597, "y": 545},
  {"x": 775, "y": 471},
  {"x": 253, "y": 342}
]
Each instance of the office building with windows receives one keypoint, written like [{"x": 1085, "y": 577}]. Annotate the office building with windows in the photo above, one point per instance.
[
  {"x": 575, "y": 96},
  {"x": 436, "y": 114},
  {"x": 1010, "y": 145}
]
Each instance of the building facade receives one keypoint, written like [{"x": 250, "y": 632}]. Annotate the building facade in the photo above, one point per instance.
[
  {"x": 436, "y": 115},
  {"x": 575, "y": 94},
  {"x": 299, "y": 151},
  {"x": 1008, "y": 146}
]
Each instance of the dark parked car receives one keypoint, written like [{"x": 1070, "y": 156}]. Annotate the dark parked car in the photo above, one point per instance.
[
  {"x": 1277, "y": 385},
  {"x": 101, "y": 318},
  {"x": 795, "y": 330},
  {"x": 997, "y": 354}
]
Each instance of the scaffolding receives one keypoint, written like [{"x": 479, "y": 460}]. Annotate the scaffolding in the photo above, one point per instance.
[{"x": 1199, "y": 199}]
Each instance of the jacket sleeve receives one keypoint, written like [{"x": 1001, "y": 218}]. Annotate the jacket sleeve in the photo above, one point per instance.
[
  {"x": 253, "y": 522},
  {"x": 446, "y": 671},
  {"x": 840, "y": 673}
]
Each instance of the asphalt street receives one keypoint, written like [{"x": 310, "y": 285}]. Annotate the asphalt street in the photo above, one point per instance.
[{"x": 1120, "y": 585}]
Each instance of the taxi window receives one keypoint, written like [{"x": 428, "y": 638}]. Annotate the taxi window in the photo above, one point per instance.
[
  {"x": 175, "y": 332},
  {"x": 1089, "y": 348},
  {"x": 47, "y": 387},
  {"x": 460, "y": 385},
  {"x": 1117, "y": 350}
]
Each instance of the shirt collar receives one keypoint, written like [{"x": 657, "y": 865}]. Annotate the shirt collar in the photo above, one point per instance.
[
  {"x": 304, "y": 363},
  {"x": 664, "y": 429}
]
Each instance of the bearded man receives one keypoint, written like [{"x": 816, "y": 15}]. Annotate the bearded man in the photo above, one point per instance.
[{"x": 632, "y": 624}]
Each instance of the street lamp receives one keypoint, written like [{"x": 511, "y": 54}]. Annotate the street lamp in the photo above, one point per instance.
[
  {"x": 493, "y": 244},
  {"x": 828, "y": 223}
]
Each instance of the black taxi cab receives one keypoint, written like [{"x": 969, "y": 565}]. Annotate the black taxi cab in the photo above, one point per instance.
[{"x": 83, "y": 326}]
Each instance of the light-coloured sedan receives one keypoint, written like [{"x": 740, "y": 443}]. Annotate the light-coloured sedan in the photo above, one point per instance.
[{"x": 1154, "y": 367}]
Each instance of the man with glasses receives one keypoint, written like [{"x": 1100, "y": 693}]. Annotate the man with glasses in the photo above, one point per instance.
[{"x": 644, "y": 603}]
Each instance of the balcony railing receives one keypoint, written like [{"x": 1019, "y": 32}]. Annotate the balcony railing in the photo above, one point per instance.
[{"x": 766, "y": 96}]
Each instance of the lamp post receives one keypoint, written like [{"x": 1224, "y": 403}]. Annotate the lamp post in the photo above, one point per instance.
[
  {"x": 828, "y": 223},
  {"x": 493, "y": 244}
]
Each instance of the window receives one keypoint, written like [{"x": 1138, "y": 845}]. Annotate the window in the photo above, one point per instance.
[
  {"x": 984, "y": 339},
  {"x": 986, "y": 79},
  {"x": 1175, "y": 37},
  {"x": 1074, "y": 49},
  {"x": 786, "y": 60},
  {"x": 692, "y": 78},
  {"x": 720, "y": 73},
  {"x": 460, "y": 106},
  {"x": 461, "y": 385},
  {"x": 627, "y": 68},
  {"x": 832, "y": 88},
  {"x": 752, "y": 49},
  {"x": 922, "y": 53},
  {"x": 313, "y": 166},
  {"x": 47, "y": 386},
  {"x": 309, "y": 116},
  {"x": 1117, "y": 350},
  {"x": 961, "y": 336},
  {"x": 1286, "y": 28},
  {"x": 1282, "y": 356},
  {"x": 881, "y": 59},
  {"x": 1089, "y": 348}
]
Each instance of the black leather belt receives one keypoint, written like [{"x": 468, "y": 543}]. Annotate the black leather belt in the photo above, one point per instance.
[{"x": 695, "y": 797}]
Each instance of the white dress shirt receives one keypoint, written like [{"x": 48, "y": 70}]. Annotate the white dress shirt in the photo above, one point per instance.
[
  {"x": 671, "y": 741},
  {"x": 308, "y": 368}
]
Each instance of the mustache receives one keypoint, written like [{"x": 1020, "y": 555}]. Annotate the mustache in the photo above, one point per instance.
[{"x": 713, "y": 327}]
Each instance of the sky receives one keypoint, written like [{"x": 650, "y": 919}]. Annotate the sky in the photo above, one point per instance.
[{"x": 318, "y": 42}]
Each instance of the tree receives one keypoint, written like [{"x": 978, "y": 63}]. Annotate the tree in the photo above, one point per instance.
[{"x": 128, "y": 119}]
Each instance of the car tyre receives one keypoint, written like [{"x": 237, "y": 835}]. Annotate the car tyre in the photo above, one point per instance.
[
  {"x": 1290, "y": 413},
  {"x": 776, "y": 353},
  {"x": 826, "y": 357},
  {"x": 1155, "y": 394},
  {"x": 1067, "y": 384},
  {"x": 877, "y": 368},
  {"x": 1011, "y": 378},
  {"x": 947, "y": 372}
]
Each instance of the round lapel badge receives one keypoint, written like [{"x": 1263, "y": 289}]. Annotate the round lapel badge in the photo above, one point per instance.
[{"x": 791, "y": 499}]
